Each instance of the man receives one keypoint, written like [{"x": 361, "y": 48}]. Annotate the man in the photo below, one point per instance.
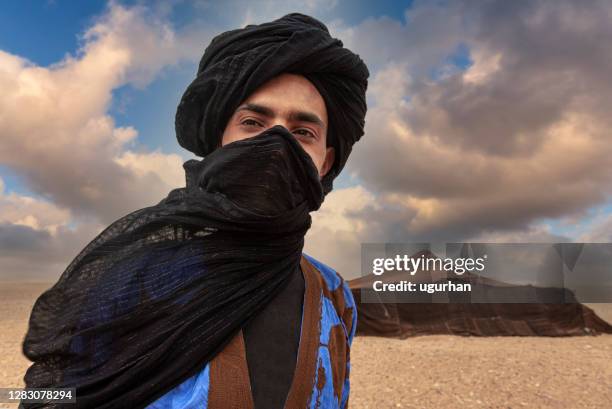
[
  {"x": 272, "y": 338},
  {"x": 206, "y": 299}
]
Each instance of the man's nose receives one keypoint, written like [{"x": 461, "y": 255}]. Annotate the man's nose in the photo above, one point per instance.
[{"x": 280, "y": 122}]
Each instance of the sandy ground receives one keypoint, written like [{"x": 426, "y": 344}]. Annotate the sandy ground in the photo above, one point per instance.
[{"x": 420, "y": 372}]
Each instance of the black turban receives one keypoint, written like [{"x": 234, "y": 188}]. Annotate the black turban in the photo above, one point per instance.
[{"x": 237, "y": 62}]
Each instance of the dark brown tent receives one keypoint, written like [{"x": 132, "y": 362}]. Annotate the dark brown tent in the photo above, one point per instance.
[{"x": 402, "y": 319}]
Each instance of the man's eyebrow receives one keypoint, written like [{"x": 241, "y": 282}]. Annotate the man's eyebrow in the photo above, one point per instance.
[
  {"x": 259, "y": 109},
  {"x": 301, "y": 116}
]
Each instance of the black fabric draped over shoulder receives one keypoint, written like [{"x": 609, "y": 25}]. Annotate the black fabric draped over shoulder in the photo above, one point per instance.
[{"x": 156, "y": 295}]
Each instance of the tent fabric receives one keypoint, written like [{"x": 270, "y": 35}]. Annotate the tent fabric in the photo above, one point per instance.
[{"x": 405, "y": 319}]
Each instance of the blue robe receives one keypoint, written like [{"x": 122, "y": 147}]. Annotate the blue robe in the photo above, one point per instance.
[{"x": 321, "y": 378}]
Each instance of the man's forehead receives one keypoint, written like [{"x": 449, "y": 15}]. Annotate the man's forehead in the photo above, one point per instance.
[
  {"x": 287, "y": 95},
  {"x": 291, "y": 89}
]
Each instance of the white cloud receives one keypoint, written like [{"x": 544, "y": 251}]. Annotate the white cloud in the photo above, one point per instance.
[
  {"x": 55, "y": 128},
  {"x": 167, "y": 168},
  {"x": 27, "y": 211},
  {"x": 36, "y": 237},
  {"x": 425, "y": 37},
  {"x": 520, "y": 136},
  {"x": 536, "y": 233},
  {"x": 57, "y": 135},
  {"x": 336, "y": 233}
]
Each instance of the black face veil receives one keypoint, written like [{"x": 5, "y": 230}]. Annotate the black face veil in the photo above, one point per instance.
[{"x": 161, "y": 291}]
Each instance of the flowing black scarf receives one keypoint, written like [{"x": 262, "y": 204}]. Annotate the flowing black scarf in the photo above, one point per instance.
[{"x": 156, "y": 295}]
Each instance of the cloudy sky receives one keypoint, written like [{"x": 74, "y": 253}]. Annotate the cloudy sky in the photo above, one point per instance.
[{"x": 488, "y": 121}]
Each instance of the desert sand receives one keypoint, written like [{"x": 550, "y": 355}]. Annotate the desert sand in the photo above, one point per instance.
[{"x": 419, "y": 372}]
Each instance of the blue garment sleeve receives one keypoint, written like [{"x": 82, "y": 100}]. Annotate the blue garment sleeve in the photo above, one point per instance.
[{"x": 350, "y": 303}]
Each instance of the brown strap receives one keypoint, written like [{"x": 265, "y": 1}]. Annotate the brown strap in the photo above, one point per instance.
[
  {"x": 230, "y": 385},
  {"x": 303, "y": 379}
]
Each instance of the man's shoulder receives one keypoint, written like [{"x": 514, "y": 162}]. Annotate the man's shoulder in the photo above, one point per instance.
[
  {"x": 333, "y": 281},
  {"x": 337, "y": 290},
  {"x": 331, "y": 277}
]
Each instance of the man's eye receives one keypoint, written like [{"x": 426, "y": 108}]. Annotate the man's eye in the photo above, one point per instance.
[
  {"x": 250, "y": 122},
  {"x": 304, "y": 132}
]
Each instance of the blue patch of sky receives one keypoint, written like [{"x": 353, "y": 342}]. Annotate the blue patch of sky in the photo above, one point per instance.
[
  {"x": 560, "y": 228},
  {"x": 354, "y": 12},
  {"x": 345, "y": 180},
  {"x": 459, "y": 60},
  {"x": 183, "y": 12},
  {"x": 44, "y": 31},
  {"x": 151, "y": 110},
  {"x": 573, "y": 230},
  {"x": 225, "y": 14},
  {"x": 14, "y": 183}
]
